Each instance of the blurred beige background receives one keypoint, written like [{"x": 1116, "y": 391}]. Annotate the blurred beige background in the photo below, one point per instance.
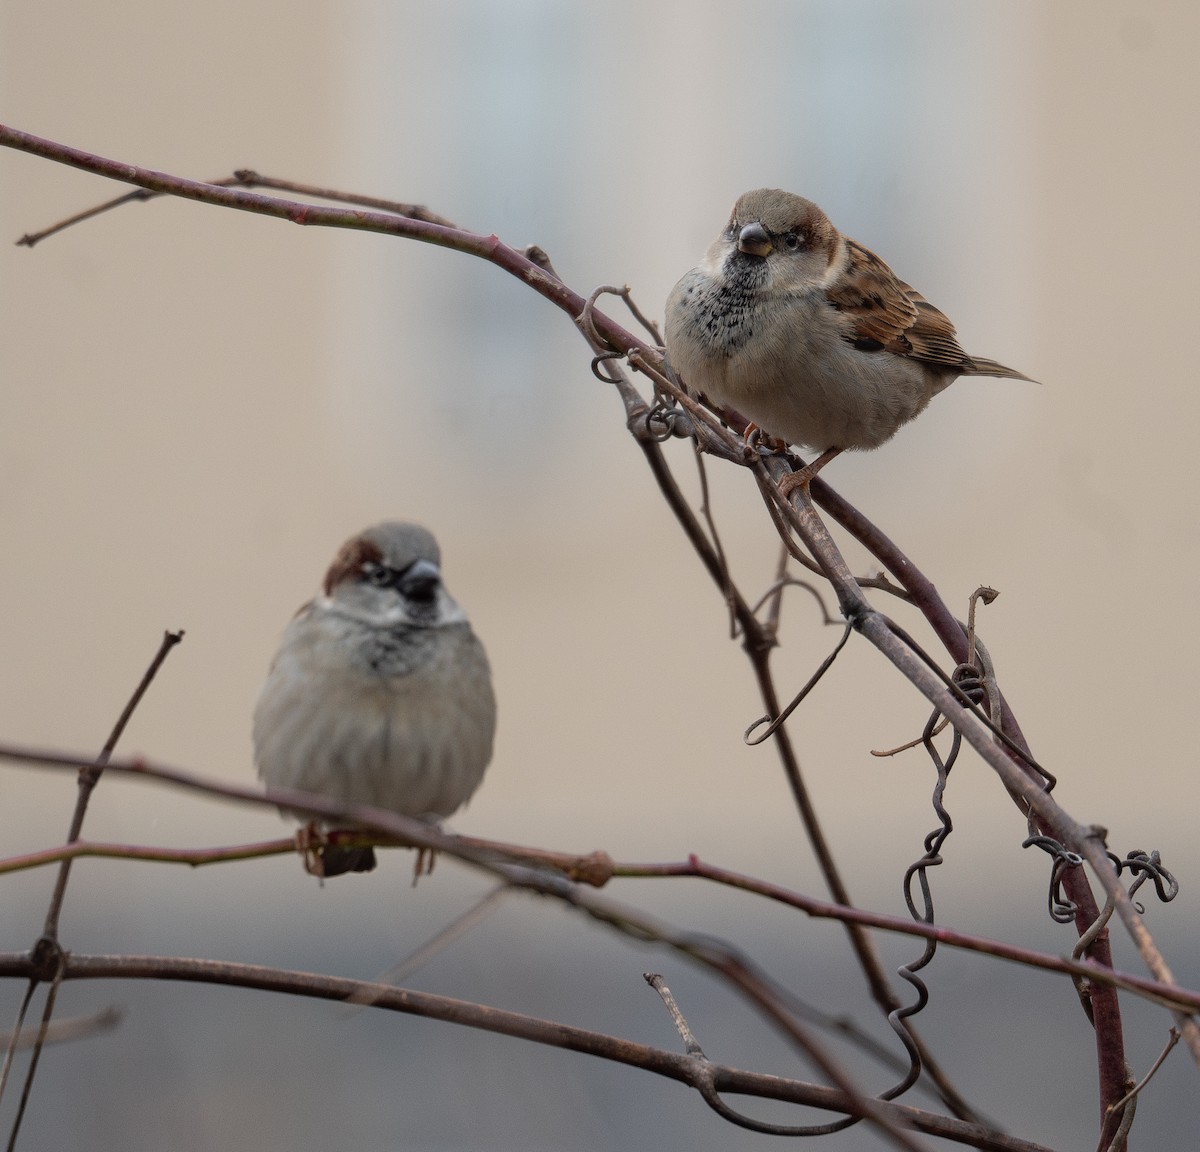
[{"x": 199, "y": 405}]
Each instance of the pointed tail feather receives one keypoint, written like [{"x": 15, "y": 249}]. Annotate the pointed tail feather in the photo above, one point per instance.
[{"x": 981, "y": 366}]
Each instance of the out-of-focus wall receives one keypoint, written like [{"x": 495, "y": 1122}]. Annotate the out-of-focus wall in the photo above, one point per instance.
[{"x": 198, "y": 406}]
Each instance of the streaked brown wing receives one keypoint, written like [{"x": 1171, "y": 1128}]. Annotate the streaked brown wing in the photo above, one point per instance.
[{"x": 885, "y": 309}]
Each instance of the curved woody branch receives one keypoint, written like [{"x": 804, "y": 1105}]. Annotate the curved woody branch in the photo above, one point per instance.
[
  {"x": 684, "y": 1069},
  {"x": 520, "y": 866}
]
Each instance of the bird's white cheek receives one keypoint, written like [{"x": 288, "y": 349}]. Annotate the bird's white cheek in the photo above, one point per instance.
[
  {"x": 449, "y": 611},
  {"x": 713, "y": 264}
]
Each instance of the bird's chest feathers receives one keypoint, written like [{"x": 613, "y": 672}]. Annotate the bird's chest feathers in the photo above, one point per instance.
[
  {"x": 757, "y": 335},
  {"x": 360, "y": 667},
  {"x": 385, "y": 654},
  {"x": 728, "y": 310}
]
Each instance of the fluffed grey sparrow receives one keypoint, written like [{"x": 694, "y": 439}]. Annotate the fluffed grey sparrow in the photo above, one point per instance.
[
  {"x": 807, "y": 333},
  {"x": 380, "y": 693}
]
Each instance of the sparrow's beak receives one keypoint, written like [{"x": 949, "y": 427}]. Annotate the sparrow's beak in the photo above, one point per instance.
[
  {"x": 420, "y": 581},
  {"x": 754, "y": 241}
]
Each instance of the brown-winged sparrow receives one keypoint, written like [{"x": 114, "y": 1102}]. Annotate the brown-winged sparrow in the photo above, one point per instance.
[
  {"x": 807, "y": 333},
  {"x": 380, "y": 693}
]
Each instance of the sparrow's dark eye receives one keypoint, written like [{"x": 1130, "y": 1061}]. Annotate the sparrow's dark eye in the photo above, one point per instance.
[
  {"x": 792, "y": 240},
  {"x": 378, "y": 575}
]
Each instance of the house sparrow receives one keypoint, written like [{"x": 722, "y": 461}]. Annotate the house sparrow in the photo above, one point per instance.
[
  {"x": 380, "y": 693},
  {"x": 807, "y": 333}
]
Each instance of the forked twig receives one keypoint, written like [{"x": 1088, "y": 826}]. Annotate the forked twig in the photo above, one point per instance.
[{"x": 48, "y": 950}]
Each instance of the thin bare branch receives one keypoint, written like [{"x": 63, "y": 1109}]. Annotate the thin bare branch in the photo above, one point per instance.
[
  {"x": 89, "y": 776},
  {"x": 707, "y": 1088},
  {"x": 1121, "y": 1108},
  {"x": 595, "y": 869},
  {"x": 682, "y": 1069},
  {"x": 416, "y": 960},
  {"x": 690, "y": 1044},
  {"x": 48, "y": 946},
  {"x": 67, "y": 1031},
  {"x": 1086, "y": 840}
]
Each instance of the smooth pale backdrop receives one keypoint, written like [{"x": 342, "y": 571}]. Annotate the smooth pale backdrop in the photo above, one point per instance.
[{"x": 199, "y": 405}]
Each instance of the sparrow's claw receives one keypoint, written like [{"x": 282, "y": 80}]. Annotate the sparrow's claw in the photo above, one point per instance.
[
  {"x": 426, "y": 859},
  {"x": 756, "y": 441},
  {"x": 310, "y": 843},
  {"x": 801, "y": 479}
]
